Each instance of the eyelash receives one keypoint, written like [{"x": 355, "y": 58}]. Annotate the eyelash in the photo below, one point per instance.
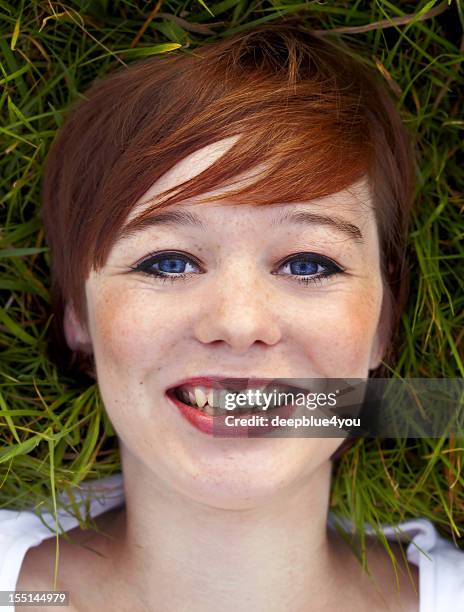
[{"x": 331, "y": 267}]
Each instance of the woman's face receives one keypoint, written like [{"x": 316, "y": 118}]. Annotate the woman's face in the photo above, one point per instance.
[{"x": 244, "y": 292}]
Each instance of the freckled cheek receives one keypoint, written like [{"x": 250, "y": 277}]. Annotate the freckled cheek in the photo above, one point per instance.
[
  {"x": 131, "y": 331},
  {"x": 343, "y": 331}
]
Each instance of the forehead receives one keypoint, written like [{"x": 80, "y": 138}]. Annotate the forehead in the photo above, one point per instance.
[{"x": 355, "y": 201}]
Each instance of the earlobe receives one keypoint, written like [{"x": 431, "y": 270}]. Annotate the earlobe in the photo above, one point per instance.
[
  {"x": 376, "y": 357},
  {"x": 382, "y": 334},
  {"x": 76, "y": 334}
]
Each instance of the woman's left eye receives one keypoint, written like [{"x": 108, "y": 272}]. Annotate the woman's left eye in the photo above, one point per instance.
[
  {"x": 310, "y": 268},
  {"x": 305, "y": 267}
]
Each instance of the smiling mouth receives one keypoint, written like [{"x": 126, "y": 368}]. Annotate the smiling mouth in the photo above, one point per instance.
[{"x": 223, "y": 402}]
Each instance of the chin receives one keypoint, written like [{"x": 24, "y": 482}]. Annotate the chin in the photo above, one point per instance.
[{"x": 242, "y": 478}]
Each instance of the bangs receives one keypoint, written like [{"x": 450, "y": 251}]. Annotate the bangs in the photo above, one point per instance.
[
  {"x": 292, "y": 149},
  {"x": 291, "y": 168}
]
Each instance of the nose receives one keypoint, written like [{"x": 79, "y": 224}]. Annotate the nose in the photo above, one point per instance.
[{"x": 239, "y": 312}]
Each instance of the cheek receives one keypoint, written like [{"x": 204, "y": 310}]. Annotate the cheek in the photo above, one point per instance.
[
  {"x": 129, "y": 331},
  {"x": 340, "y": 338}
]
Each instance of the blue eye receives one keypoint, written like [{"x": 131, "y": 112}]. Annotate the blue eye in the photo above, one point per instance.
[
  {"x": 310, "y": 267},
  {"x": 303, "y": 267},
  {"x": 170, "y": 266}
]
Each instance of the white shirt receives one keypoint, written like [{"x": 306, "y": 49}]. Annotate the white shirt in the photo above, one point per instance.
[{"x": 440, "y": 563}]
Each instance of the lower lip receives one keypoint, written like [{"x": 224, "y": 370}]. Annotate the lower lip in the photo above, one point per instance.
[{"x": 214, "y": 425}]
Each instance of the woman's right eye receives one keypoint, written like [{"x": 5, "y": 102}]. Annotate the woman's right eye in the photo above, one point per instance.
[{"x": 167, "y": 266}]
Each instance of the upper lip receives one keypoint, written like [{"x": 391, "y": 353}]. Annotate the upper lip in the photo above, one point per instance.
[
  {"x": 226, "y": 382},
  {"x": 221, "y": 382}
]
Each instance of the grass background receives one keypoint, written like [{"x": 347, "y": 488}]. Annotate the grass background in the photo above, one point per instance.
[{"x": 53, "y": 429}]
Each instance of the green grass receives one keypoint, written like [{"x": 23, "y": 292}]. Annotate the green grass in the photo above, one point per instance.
[{"x": 53, "y": 429}]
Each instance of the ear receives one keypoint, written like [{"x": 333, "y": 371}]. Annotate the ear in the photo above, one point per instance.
[
  {"x": 76, "y": 334},
  {"x": 382, "y": 335},
  {"x": 377, "y": 353}
]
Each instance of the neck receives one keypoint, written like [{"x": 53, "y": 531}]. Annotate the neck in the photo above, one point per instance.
[{"x": 275, "y": 555}]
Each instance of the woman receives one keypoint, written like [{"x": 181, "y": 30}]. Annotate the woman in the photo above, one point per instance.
[{"x": 294, "y": 270}]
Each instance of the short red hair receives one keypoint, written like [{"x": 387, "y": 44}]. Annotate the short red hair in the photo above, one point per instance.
[{"x": 316, "y": 116}]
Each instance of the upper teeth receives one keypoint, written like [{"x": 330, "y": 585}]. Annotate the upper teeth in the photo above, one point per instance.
[
  {"x": 208, "y": 399},
  {"x": 201, "y": 397}
]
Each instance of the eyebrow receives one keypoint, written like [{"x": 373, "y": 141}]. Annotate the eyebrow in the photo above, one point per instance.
[
  {"x": 187, "y": 218},
  {"x": 310, "y": 218}
]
